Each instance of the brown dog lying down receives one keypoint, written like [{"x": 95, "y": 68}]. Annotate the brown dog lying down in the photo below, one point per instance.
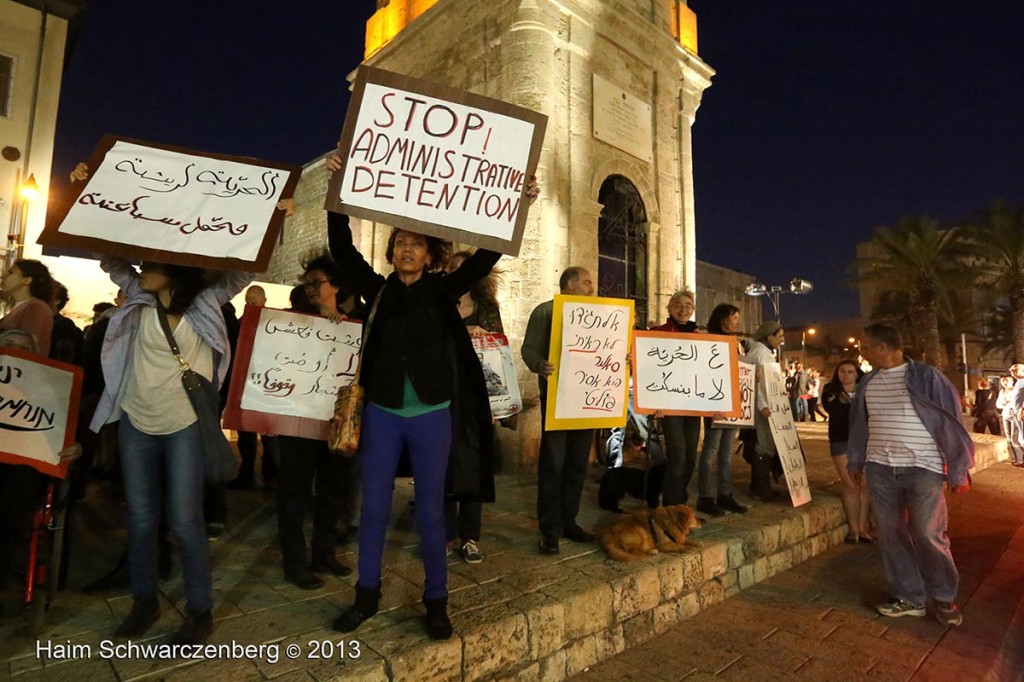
[{"x": 649, "y": 531}]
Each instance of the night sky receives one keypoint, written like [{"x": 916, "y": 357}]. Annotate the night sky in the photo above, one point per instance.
[{"x": 825, "y": 119}]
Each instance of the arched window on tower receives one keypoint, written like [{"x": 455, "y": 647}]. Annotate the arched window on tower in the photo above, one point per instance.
[{"x": 622, "y": 244}]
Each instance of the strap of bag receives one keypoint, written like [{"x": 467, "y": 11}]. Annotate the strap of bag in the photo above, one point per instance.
[
  {"x": 161, "y": 313},
  {"x": 366, "y": 330}
]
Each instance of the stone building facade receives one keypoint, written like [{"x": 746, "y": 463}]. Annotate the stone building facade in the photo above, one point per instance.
[{"x": 627, "y": 216}]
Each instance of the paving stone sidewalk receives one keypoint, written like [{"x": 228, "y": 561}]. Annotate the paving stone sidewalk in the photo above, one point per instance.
[
  {"x": 816, "y": 620},
  {"x": 518, "y": 615}
]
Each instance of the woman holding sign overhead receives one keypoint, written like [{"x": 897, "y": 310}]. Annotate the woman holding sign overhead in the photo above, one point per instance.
[{"x": 425, "y": 394}]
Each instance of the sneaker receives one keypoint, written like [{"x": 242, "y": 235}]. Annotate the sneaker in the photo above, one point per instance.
[
  {"x": 947, "y": 613},
  {"x": 450, "y": 547},
  {"x": 471, "y": 553},
  {"x": 897, "y": 608}
]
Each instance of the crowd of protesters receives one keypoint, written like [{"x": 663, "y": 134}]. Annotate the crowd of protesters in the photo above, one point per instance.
[{"x": 427, "y": 413}]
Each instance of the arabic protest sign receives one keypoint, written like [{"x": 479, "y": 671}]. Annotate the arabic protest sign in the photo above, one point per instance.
[
  {"x": 694, "y": 374},
  {"x": 787, "y": 442},
  {"x": 499, "y": 374},
  {"x": 38, "y": 410},
  {"x": 171, "y": 205},
  {"x": 746, "y": 420},
  {"x": 438, "y": 161},
  {"x": 589, "y": 349},
  {"x": 288, "y": 369}
]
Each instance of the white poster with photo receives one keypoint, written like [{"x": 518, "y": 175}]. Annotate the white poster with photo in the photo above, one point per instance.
[
  {"x": 155, "y": 198},
  {"x": 38, "y": 410},
  {"x": 746, "y": 420},
  {"x": 499, "y": 374},
  {"x": 787, "y": 441},
  {"x": 298, "y": 363},
  {"x": 685, "y": 374}
]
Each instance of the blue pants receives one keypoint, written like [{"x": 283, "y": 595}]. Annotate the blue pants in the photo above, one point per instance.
[
  {"x": 428, "y": 439},
  {"x": 716, "y": 451},
  {"x": 145, "y": 460},
  {"x": 910, "y": 518}
]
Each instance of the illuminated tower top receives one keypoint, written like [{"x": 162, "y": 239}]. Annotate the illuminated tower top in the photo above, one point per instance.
[{"x": 394, "y": 15}]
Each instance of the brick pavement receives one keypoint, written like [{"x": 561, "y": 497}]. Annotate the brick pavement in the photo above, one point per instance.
[{"x": 816, "y": 620}]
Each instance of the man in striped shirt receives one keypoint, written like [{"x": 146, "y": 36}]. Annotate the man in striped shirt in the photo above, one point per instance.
[{"x": 906, "y": 429}]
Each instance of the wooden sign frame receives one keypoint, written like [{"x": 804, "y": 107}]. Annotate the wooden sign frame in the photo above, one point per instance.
[
  {"x": 238, "y": 419},
  {"x": 52, "y": 236},
  {"x": 735, "y": 409},
  {"x": 370, "y": 75},
  {"x": 57, "y": 470}
]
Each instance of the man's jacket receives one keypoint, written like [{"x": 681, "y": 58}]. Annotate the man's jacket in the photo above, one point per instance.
[{"x": 937, "y": 403}]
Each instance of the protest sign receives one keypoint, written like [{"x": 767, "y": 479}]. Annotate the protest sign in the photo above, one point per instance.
[
  {"x": 686, "y": 374},
  {"x": 589, "y": 349},
  {"x": 171, "y": 205},
  {"x": 499, "y": 374},
  {"x": 435, "y": 160},
  {"x": 288, "y": 369},
  {"x": 787, "y": 442},
  {"x": 746, "y": 418},
  {"x": 38, "y": 410}
]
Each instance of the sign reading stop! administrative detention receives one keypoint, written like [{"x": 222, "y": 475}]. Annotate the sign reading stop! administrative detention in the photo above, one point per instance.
[{"x": 435, "y": 160}]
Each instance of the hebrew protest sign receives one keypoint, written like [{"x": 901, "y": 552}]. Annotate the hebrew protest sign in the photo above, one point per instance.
[
  {"x": 172, "y": 205},
  {"x": 686, "y": 374},
  {"x": 38, "y": 410},
  {"x": 589, "y": 349},
  {"x": 746, "y": 418},
  {"x": 288, "y": 369},
  {"x": 499, "y": 374},
  {"x": 438, "y": 161},
  {"x": 787, "y": 442}
]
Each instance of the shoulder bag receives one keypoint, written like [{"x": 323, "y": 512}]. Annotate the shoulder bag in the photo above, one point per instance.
[
  {"x": 346, "y": 424},
  {"x": 219, "y": 461}
]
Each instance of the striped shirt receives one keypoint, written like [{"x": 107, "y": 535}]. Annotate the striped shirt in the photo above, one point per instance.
[{"x": 896, "y": 435}]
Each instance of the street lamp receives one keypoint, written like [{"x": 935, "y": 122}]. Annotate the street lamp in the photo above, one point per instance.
[
  {"x": 809, "y": 331},
  {"x": 28, "y": 191},
  {"x": 797, "y": 286}
]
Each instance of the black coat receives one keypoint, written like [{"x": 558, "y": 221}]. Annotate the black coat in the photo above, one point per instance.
[{"x": 439, "y": 368}]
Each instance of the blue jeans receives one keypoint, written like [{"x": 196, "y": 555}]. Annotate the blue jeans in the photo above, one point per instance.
[
  {"x": 145, "y": 460},
  {"x": 717, "y": 448},
  {"x": 910, "y": 518},
  {"x": 428, "y": 439}
]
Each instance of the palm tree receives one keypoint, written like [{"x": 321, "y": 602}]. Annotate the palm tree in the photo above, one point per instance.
[
  {"x": 925, "y": 261},
  {"x": 999, "y": 241}
]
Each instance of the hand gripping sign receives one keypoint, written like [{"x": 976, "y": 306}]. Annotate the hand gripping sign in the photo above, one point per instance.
[
  {"x": 172, "y": 205},
  {"x": 437, "y": 161},
  {"x": 38, "y": 410}
]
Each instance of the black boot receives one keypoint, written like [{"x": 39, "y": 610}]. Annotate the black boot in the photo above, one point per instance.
[
  {"x": 761, "y": 477},
  {"x": 728, "y": 503},
  {"x": 707, "y": 505},
  {"x": 438, "y": 625},
  {"x": 364, "y": 607},
  {"x": 144, "y": 613},
  {"x": 196, "y": 628}
]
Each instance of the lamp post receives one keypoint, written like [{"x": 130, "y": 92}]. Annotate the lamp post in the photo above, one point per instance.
[
  {"x": 28, "y": 191},
  {"x": 809, "y": 331},
  {"x": 797, "y": 286}
]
